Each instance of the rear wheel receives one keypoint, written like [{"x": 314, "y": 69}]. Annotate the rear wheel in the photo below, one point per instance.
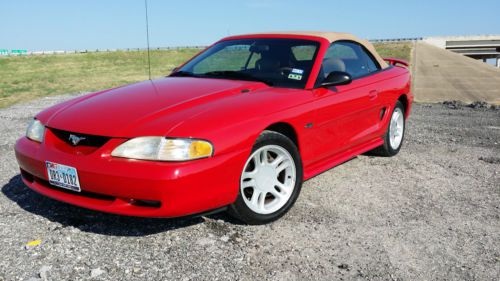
[
  {"x": 393, "y": 138},
  {"x": 270, "y": 181}
]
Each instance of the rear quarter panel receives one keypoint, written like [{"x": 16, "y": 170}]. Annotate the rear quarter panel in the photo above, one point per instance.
[{"x": 395, "y": 82}]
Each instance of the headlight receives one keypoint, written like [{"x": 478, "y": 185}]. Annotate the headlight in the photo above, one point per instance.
[
  {"x": 163, "y": 149},
  {"x": 35, "y": 131}
]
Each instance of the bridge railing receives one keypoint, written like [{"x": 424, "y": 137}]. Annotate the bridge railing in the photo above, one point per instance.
[{"x": 392, "y": 40}]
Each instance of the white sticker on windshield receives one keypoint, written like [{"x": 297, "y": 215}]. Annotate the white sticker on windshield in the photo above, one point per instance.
[
  {"x": 294, "y": 76},
  {"x": 298, "y": 71}
]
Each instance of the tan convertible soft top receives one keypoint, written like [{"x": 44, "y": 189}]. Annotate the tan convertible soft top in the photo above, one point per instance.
[{"x": 332, "y": 37}]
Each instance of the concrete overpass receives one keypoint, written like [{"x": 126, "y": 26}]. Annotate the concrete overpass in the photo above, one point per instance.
[{"x": 480, "y": 47}]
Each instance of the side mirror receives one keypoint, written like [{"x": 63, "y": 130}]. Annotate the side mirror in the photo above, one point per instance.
[{"x": 336, "y": 78}]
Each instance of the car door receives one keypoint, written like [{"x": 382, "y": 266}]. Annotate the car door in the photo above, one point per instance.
[{"x": 348, "y": 115}]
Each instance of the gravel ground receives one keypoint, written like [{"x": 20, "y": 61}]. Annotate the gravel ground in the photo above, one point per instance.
[{"x": 430, "y": 213}]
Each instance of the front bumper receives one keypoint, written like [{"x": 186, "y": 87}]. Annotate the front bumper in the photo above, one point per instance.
[{"x": 134, "y": 187}]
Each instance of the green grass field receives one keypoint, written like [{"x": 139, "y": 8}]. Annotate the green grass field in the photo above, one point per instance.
[
  {"x": 395, "y": 50},
  {"x": 25, "y": 78}
]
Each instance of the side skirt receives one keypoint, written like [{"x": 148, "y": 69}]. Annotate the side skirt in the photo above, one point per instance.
[{"x": 328, "y": 163}]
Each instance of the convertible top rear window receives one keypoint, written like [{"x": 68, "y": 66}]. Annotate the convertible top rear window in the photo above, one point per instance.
[{"x": 277, "y": 62}]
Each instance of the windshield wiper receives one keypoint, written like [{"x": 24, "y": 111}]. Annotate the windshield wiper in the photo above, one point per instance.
[
  {"x": 236, "y": 75},
  {"x": 182, "y": 74}
]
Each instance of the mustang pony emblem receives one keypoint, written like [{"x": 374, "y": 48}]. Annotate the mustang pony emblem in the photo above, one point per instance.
[{"x": 76, "y": 139}]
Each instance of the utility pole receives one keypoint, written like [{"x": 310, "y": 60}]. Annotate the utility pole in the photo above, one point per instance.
[{"x": 147, "y": 39}]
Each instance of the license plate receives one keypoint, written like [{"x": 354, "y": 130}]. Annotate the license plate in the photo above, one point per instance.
[{"x": 63, "y": 176}]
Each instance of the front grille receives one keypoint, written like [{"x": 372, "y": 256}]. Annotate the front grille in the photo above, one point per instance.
[
  {"x": 27, "y": 176},
  {"x": 85, "y": 140}
]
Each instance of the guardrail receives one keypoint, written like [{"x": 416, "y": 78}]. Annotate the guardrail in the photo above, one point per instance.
[{"x": 391, "y": 40}]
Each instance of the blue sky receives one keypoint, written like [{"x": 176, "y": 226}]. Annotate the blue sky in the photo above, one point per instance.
[{"x": 90, "y": 24}]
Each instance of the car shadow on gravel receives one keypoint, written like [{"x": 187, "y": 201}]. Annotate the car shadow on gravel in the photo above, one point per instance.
[{"x": 92, "y": 221}]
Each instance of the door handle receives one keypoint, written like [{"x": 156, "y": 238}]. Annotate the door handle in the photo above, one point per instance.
[{"x": 373, "y": 94}]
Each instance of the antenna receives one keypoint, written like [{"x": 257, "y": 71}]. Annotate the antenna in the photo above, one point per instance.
[{"x": 147, "y": 38}]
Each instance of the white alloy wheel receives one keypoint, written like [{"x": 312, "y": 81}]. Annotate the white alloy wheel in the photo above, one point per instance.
[
  {"x": 396, "y": 128},
  {"x": 268, "y": 179}
]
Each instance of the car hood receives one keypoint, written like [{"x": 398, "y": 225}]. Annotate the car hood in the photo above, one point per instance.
[{"x": 124, "y": 111}]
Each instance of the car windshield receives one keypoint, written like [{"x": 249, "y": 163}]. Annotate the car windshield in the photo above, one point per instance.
[{"x": 276, "y": 62}]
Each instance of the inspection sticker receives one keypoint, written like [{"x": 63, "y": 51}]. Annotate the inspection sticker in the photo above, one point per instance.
[
  {"x": 298, "y": 71},
  {"x": 294, "y": 76}
]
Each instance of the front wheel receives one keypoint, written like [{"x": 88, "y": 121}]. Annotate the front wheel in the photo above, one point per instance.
[
  {"x": 270, "y": 181},
  {"x": 393, "y": 138}
]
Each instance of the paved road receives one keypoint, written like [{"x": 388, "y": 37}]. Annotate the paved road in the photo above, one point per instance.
[
  {"x": 441, "y": 75},
  {"x": 430, "y": 213}
]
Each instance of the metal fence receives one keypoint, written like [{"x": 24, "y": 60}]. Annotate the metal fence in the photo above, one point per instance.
[{"x": 413, "y": 39}]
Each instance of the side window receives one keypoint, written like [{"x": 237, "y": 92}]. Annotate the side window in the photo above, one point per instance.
[
  {"x": 370, "y": 61},
  {"x": 342, "y": 51},
  {"x": 347, "y": 57}
]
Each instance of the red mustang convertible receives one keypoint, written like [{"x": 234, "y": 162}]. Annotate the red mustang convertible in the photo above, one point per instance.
[{"x": 238, "y": 127}]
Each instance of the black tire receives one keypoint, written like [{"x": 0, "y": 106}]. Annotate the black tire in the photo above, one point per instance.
[
  {"x": 239, "y": 208},
  {"x": 386, "y": 149}
]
